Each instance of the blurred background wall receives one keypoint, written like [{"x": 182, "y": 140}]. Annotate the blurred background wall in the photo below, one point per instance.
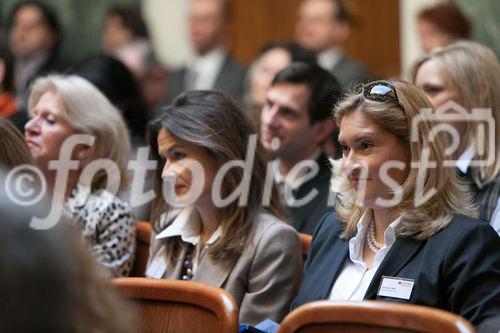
[{"x": 383, "y": 37}]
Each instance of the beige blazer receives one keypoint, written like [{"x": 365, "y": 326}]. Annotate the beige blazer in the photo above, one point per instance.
[{"x": 264, "y": 279}]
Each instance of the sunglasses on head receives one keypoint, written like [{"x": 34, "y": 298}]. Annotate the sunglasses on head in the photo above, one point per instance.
[{"x": 379, "y": 91}]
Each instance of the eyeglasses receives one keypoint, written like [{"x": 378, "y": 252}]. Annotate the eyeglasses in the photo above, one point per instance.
[{"x": 380, "y": 91}]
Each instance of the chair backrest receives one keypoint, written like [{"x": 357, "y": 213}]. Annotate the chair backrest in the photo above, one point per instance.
[
  {"x": 373, "y": 317},
  {"x": 180, "y": 306},
  {"x": 143, "y": 233},
  {"x": 305, "y": 243}
]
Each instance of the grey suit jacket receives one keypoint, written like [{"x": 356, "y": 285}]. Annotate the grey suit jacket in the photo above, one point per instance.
[
  {"x": 263, "y": 280},
  {"x": 230, "y": 80},
  {"x": 350, "y": 73}
]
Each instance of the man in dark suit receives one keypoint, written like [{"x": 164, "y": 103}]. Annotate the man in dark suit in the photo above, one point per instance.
[
  {"x": 212, "y": 67},
  {"x": 323, "y": 26},
  {"x": 295, "y": 120}
]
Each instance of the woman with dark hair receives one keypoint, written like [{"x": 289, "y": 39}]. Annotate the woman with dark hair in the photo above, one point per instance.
[
  {"x": 119, "y": 85},
  {"x": 34, "y": 39},
  {"x": 122, "y": 25},
  {"x": 236, "y": 243}
]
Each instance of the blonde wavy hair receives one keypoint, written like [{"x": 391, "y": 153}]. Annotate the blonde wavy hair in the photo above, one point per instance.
[
  {"x": 88, "y": 111},
  {"x": 472, "y": 71},
  {"x": 451, "y": 195}
]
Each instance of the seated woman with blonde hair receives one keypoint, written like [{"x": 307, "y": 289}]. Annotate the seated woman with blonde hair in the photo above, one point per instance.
[
  {"x": 400, "y": 232},
  {"x": 61, "y": 107},
  {"x": 238, "y": 243},
  {"x": 468, "y": 73}
]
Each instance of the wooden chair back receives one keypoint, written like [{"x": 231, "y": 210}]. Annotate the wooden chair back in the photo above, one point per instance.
[
  {"x": 179, "y": 306},
  {"x": 371, "y": 317},
  {"x": 143, "y": 231},
  {"x": 305, "y": 243}
]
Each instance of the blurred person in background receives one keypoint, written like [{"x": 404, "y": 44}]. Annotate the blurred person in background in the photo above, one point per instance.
[
  {"x": 441, "y": 25},
  {"x": 151, "y": 76},
  {"x": 10, "y": 107},
  {"x": 324, "y": 27},
  {"x": 119, "y": 85},
  {"x": 34, "y": 39},
  {"x": 469, "y": 74},
  {"x": 212, "y": 66},
  {"x": 59, "y": 107},
  {"x": 122, "y": 26},
  {"x": 272, "y": 58}
]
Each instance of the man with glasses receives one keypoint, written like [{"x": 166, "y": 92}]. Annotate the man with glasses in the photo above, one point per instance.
[{"x": 295, "y": 121}]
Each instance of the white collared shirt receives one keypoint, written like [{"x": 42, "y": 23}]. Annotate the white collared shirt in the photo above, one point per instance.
[
  {"x": 355, "y": 277},
  {"x": 329, "y": 59},
  {"x": 463, "y": 163},
  {"x": 186, "y": 225},
  {"x": 205, "y": 69},
  {"x": 465, "y": 159}
]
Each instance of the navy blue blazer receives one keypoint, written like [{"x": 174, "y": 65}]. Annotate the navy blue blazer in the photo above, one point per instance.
[{"x": 456, "y": 269}]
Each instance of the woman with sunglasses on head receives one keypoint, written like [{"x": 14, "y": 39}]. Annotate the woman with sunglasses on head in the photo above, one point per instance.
[
  {"x": 240, "y": 245},
  {"x": 400, "y": 231},
  {"x": 469, "y": 74}
]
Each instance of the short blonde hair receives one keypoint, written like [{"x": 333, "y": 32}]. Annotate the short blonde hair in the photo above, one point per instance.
[
  {"x": 88, "y": 111},
  {"x": 397, "y": 118},
  {"x": 472, "y": 71}
]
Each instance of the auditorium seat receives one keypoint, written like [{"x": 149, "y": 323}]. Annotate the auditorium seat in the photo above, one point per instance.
[
  {"x": 371, "y": 317},
  {"x": 142, "y": 236},
  {"x": 179, "y": 306},
  {"x": 305, "y": 243}
]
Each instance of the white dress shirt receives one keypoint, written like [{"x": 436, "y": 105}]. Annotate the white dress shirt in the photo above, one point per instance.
[
  {"x": 328, "y": 59},
  {"x": 463, "y": 163},
  {"x": 186, "y": 225},
  {"x": 355, "y": 277},
  {"x": 203, "y": 71}
]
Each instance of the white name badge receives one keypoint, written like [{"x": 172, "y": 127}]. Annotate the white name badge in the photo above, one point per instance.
[{"x": 395, "y": 287}]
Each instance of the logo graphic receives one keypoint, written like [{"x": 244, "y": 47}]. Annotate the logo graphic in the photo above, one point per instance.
[{"x": 449, "y": 118}]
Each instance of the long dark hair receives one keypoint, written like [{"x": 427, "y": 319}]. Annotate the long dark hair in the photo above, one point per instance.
[{"x": 211, "y": 120}]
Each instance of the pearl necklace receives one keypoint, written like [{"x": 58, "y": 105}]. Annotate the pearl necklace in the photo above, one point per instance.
[{"x": 373, "y": 244}]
